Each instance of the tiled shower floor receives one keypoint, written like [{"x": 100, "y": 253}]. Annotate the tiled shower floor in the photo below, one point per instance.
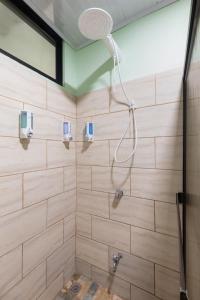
[{"x": 89, "y": 290}]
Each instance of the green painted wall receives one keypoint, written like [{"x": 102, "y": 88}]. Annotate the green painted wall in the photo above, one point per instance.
[
  {"x": 152, "y": 44},
  {"x": 69, "y": 69}
]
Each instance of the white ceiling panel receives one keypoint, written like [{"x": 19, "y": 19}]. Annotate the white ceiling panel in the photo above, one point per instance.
[{"x": 62, "y": 15}]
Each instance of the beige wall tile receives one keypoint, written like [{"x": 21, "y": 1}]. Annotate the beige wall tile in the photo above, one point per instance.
[
  {"x": 10, "y": 269},
  {"x": 83, "y": 268},
  {"x": 141, "y": 90},
  {"x": 59, "y": 101},
  {"x": 9, "y": 116},
  {"x": 41, "y": 246},
  {"x": 61, "y": 206},
  {"x": 131, "y": 210},
  {"x": 193, "y": 287},
  {"x": 69, "y": 269},
  {"x": 30, "y": 287},
  {"x": 156, "y": 247},
  {"x": 20, "y": 83},
  {"x": 54, "y": 288},
  {"x": 169, "y": 153},
  {"x": 15, "y": 158},
  {"x": 10, "y": 194},
  {"x": 138, "y": 294},
  {"x": 92, "y": 252},
  {"x": 193, "y": 83},
  {"x": 20, "y": 226},
  {"x": 193, "y": 250},
  {"x": 95, "y": 203},
  {"x": 57, "y": 262},
  {"x": 166, "y": 283},
  {"x": 59, "y": 154},
  {"x": 108, "y": 179},
  {"x": 135, "y": 270},
  {"x": 84, "y": 177},
  {"x": 96, "y": 153},
  {"x": 168, "y": 86},
  {"x": 154, "y": 121},
  {"x": 95, "y": 102},
  {"x": 47, "y": 125},
  {"x": 166, "y": 218},
  {"x": 156, "y": 184},
  {"x": 41, "y": 185},
  {"x": 143, "y": 158},
  {"x": 83, "y": 224},
  {"x": 106, "y": 231},
  {"x": 69, "y": 227},
  {"x": 193, "y": 121},
  {"x": 69, "y": 178},
  {"x": 111, "y": 126},
  {"x": 114, "y": 284}
]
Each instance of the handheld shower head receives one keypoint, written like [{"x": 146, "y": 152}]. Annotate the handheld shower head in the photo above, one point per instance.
[{"x": 97, "y": 24}]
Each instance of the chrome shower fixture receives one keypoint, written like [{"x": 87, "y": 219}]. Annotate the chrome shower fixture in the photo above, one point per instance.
[
  {"x": 116, "y": 259},
  {"x": 119, "y": 194}
]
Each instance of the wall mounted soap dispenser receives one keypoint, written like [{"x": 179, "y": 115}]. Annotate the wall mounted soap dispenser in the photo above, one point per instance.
[
  {"x": 89, "y": 131},
  {"x": 67, "y": 131},
  {"x": 25, "y": 124}
]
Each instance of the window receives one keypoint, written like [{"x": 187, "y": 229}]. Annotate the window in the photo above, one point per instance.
[{"x": 25, "y": 37}]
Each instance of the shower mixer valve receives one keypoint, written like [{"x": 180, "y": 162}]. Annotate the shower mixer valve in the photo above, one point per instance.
[
  {"x": 119, "y": 194},
  {"x": 116, "y": 259}
]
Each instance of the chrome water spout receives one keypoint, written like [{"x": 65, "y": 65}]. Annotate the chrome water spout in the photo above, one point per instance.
[
  {"x": 119, "y": 194},
  {"x": 116, "y": 259}
]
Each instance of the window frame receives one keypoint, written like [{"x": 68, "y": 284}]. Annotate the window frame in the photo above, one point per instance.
[{"x": 37, "y": 23}]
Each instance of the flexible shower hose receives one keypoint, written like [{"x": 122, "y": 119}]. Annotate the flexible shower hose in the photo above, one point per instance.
[{"x": 131, "y": 108}]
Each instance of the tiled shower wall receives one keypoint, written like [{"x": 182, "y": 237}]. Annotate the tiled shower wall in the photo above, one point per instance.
[
  {"x": 37, "y": 187},
  {"x": 143, "y": 224}
]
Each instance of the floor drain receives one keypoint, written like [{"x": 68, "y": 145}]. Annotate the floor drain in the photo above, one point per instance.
[{"x": 75, "y": 288}]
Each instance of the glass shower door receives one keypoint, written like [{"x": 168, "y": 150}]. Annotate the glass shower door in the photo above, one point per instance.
[{"x": 192, "y": 157}]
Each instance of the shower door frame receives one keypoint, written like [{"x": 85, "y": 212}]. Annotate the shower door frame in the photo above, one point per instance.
[{"x": 194, "y": 18}]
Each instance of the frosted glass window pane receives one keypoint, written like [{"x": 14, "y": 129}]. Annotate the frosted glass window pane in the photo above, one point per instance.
[{"x": 18, "y": 38}]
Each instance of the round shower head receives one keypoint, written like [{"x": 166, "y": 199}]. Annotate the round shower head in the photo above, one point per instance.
[{"x": 95, "y": 23}]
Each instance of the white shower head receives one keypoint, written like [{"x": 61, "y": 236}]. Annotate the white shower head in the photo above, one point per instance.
[{"x": 97, "y": 24}]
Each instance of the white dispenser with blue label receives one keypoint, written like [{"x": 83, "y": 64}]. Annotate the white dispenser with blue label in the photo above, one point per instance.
[
  {"x": 67, "y": 131},
  {"x": 25, "y": 124},
  {"x": 89, "y": 131}
]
